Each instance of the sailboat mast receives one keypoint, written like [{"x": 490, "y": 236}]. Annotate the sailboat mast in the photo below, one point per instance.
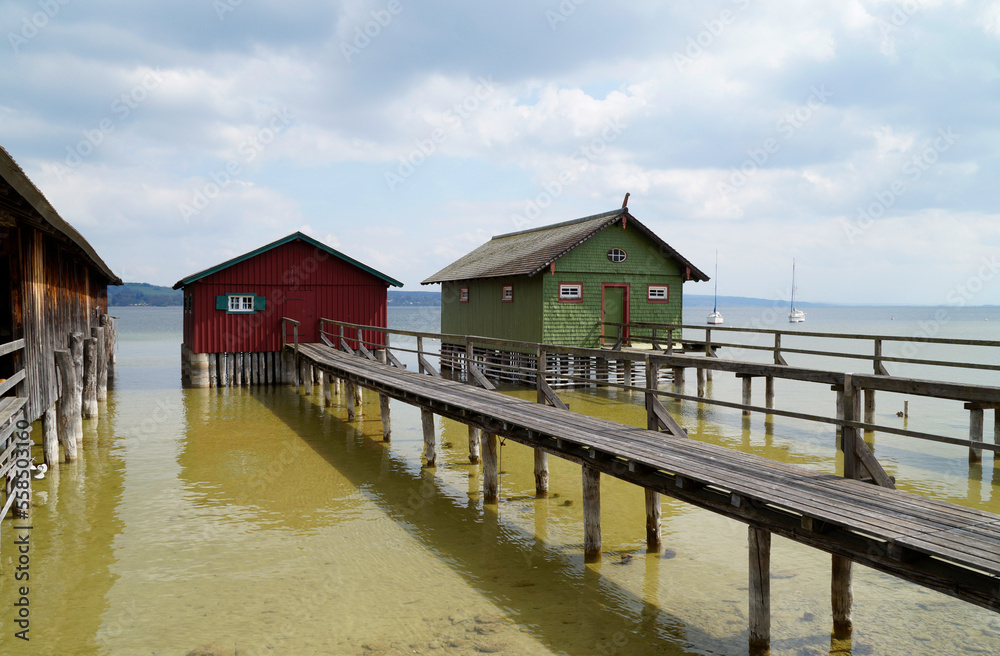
[
  {"x": 792, "y": 307},
  {"x": 715, "y": 305}
]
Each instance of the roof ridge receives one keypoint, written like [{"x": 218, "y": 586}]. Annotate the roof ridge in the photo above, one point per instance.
[{"x": 563, "y": 224}]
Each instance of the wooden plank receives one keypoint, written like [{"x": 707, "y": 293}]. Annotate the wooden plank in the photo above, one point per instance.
[
  {"x": 11, "y": 382},
  {"x": 10, "y": 347},
  {"x": 10, "y": 406}
]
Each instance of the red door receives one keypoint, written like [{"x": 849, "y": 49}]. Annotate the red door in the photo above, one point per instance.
[{"x": 301, "y": 306}]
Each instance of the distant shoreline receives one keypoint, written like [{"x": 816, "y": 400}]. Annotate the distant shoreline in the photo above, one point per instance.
[{"x": 143, "y": 294}]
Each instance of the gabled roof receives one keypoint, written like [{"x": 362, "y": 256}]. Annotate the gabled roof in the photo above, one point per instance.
[
  {"x": 274, "y": 244},
  {"x": 529, "y": 252},
  {"x": 15, "y": 176}
]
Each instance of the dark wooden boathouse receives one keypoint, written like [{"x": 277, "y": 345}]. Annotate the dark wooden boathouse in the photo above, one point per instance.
[
  {"x": 53, "y": 304},
  {"x": 233, "y": 311}
]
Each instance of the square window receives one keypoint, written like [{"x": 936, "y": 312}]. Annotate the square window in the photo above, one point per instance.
[
  {"x": 508, "y": 294},
  {"x": 241, "y": 303},
  {"x": 570, "y": 292},
  {"x": 658, "y": 293},
  {"x": 463, "y": 295}
]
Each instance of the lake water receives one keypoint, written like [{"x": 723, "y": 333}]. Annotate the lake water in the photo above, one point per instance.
[{"x": 260, "y": 521}]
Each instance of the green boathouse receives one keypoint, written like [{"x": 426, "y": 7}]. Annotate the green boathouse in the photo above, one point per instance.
[{"x": 557, "y": 284}]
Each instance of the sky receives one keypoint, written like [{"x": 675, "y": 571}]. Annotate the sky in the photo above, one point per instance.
[{"x": 858, "y": 137}]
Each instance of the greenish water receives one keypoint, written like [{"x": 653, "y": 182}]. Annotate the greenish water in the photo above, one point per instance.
[{"x": 259, "y": 520}]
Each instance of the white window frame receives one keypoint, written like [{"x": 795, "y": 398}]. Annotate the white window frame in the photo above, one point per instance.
[
  {"x": 658, "y": 293},
  {"x": 507, "y": 294},
  {"x": 241, "y": 304},
  {"x": 617, "y": 252},
  {"x": 463, "y": 294},
  {"x": 566, "y": 290}
]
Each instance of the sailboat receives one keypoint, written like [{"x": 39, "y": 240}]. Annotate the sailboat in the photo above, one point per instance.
[
  {"x": 795, "y": 315},
  {"x": 716, "y": 317}
]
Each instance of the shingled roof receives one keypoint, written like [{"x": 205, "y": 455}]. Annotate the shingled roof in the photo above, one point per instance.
[
  {"x": 47, "y": 216},
  {"x": 529, "y": 252}
]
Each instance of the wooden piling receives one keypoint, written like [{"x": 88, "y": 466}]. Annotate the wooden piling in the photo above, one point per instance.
[
  {"x": 591, "y": 515},
  {"x": 89, "y": 378},
  {"x": 351, "y": 410},
  {"x": 327, "y": 395},
  {"x": 701, "y": 382},
  {"x": 65, "y": 421},
  {"x": 541, "y": 473},
  {"x": 491, "y": 469},
  {"x": 475, "y": 437},
  {"x": 383, "y": 406},
  {"x": 111, "y": 343},
  {"x": 627, "y": 373},
  {"x": 50, "y": 436},
  {"x": 76, "y": 351},
  {"x": 213, "y": 370},
  {"x": 869, "y": 406},
  {"x": 747, "y": 385},
  {"x": 975, "y": 432},
  {"x": 840, "y": 406},
  {"x": 679, "y": 380},
  {"x": 427, "y": 423},
  {"x": 653, "y": 514},
  {"x": 769, "y": 391},
  {"x": 842, "y": 596},
  {"x": 305, "y": 373},
  {"x": 760, "y": 590},
  {"x": 101, "y": 353},
  {"x": 359, "y": 396},
  {"x": 238, "y": 369}
]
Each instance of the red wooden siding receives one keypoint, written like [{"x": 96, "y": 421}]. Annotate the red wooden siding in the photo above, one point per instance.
[{"x": 329, "y": 287}]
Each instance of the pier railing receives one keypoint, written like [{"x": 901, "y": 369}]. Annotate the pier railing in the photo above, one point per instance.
[
  {"x": 554, "y": 366},
  {"x": 667, "y": 337},
  {"x": 10, "y": 410}
]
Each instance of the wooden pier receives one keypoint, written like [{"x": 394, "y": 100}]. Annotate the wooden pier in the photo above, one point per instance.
[{"x": 939, "y": 545}]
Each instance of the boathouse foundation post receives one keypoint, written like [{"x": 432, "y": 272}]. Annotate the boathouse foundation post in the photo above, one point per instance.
[
  {"x": 90, "y": 378},
  {"x": 475, "y": 437},
  {"x": 65, "y": 422},
  {"x": 101, "y": 353},
  {"x": 349, "y": 401},
  {"x": 76, "y": 351},
  {"x": 50, "y": 436}
]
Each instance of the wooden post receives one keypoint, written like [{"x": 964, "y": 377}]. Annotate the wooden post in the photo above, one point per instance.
[
  {"x": 842, "y": 597},
  {"x": 383, "y": 403},
  {"x": 653, "y": 512},
  {"x": 627, "y": 373},
  {"x": 327, "y": 395},
  {"x": 475, "y": 437},
  {"x": 747, "y": 384},
  {"x": 101, "y": 353},
  {"x": 66, "y": 423},
  {"x": 213, "y": 370},
  {"x": 541, "y": 473},
  {"x": 359, "y": 396},
  {"x": 76, "y": 351},
  {"x": 491, "y": 469},
  {"x": 591, "y": 515},
  {"x": 840, "y": 407},
  {"x": 238, "y": 369},
  {"x": 701, "y": 382},
  {"x": 849, "y": 434},
  {"x": 336, "y": 387},
  {"x": 306, "y": 375},
  {"x": 50, "y": 436},
  {"x": 89, "y": 378},
  {"x": 111, "y": 340},
  {"x": 769, "y": 391},
  {"x": 975, "y": 433},
  {"x": 679, "y": 380},
  {"x": 427, "y": 423},
  {"x": 996, "y": 431},
  {"x": 760, "y": 590},
  {"x": 351, "y": 410},
  {"x": 541, "y": 457},
  {"x": 869, "y": 406}
]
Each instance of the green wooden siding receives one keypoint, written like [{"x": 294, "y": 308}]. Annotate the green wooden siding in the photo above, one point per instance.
[
  {"x": 486, "y": 315},
  {"x": 576, "y": 324}
]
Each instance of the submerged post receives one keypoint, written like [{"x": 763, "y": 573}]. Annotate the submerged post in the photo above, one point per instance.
[
  {"x": 591, "y": 515},
  {"x": 491, "y": 470},
  {"x": 975, "y": 431},
  {"x": 349, "y": 401},
  {"x": 869, "y": 406},
  {"x": 653, "y": 511},
  {"x": 101, "y": 353},
  {"x": 842, "y": 597},
  {"x": 760, "y": 590},
  {"x": 701, "y": 381},
  {"x": 541, "y": 457},
  {"x": 76, "y": 351},
  {"x": 66, "y": 425},
  {"x": 769, "y": 392},
  {"x": 89, "y": 379},
  {"x": 383, "y": 401},
  {"x": 475, "y": 437},
  {"x": 427, "y": 422},
  {"x": 50, "y": 436},
  {"x": 327, "y": 396}
]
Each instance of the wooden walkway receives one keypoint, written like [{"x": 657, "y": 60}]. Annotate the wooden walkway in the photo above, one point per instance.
[{"x": 939, "y": 545}]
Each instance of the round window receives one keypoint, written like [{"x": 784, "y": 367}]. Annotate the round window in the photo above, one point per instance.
[{"x": 617, "y": 255}]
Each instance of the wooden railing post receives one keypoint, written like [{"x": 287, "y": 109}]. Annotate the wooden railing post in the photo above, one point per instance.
[
  {"x": 708, "y": 342},
  {"x": 420, "y": 354},
  {"x": 541, "y": 457},
  {"x": 777, "y": 349},
  {"x": 653, "y": 507}
]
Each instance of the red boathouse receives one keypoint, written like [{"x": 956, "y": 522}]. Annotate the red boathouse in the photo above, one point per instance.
[{"x": 233, "y": 311}]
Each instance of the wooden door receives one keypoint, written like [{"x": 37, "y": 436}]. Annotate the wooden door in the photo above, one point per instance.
[
  {"x": 301, "y": 306},
  {"x": 614, "y": 309}
]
